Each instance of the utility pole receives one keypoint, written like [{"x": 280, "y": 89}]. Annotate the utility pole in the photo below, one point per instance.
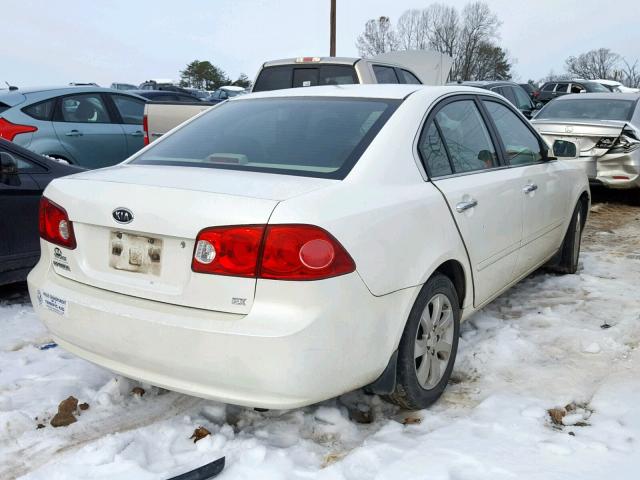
[{"x": 332, "y": 35}]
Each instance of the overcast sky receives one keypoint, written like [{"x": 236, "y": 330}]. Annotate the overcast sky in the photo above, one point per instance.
[{"x": 56, "y": 42}]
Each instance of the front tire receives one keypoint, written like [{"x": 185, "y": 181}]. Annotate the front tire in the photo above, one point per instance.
[{"x": 428, "y": 346}]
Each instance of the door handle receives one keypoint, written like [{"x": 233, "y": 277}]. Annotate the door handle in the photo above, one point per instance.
[
  {"x": 74, "y": 133},
  {"x": 531, "y": 187},
  {"x": 462, "y": 206},
  {"x": 137, "y": 133}
]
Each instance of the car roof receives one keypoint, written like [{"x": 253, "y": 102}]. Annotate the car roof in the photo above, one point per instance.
[
  {"x": 599, "y": 96},
  {"x": 382, "y": 91},
  {"x": 485, "y": 83},
  {"x": 296, "y": 61}
]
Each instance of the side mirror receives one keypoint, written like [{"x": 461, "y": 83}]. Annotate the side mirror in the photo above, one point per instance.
[
  {"x": 8, "y": 164},
  {"x": 538, "y": 105}
]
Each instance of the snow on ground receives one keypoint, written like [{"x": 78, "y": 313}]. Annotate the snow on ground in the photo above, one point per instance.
[{"x": 549, "y": 342}]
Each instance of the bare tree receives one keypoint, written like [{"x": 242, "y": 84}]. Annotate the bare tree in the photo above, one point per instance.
[
  {"x": 413, "y": 30},
  {"x": 378, "y": 37},
  {"x": 631, "y": 74},
  {"x": 594, "y": 64},
  {"x": 443, "y": 26},
  {"x": 479, "y": 26}
]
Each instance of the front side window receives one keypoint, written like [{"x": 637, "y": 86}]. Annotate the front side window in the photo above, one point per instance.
[
  {"x": 131, "y": 109},
  {"x": 520, "y": 144},
  {"x": 466, "y": 136},
  {"x": 548, "y": 87},
  {"x": 562, "y": 88},
  {"x": 385, "y": 74},
  {"x": 523, "y": 102},
  {"x": 577, "y": 88},
  {"x": 433, "y": 152},
  {"x": 87, "y": 108},
  {"x": 320, "y": 137}
]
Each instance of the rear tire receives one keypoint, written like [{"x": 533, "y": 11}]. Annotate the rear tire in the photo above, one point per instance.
[
  {"x": 428, "y": 346},
  {"x": 570, "y": 250}
]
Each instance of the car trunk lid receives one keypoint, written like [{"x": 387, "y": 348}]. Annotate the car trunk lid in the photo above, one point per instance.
[
  {"x": 150, "y": 256},
  {"x": 593, "y": 139}
]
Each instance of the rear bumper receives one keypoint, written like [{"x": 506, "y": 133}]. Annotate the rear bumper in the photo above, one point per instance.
[{"x": 301, "y": 343}]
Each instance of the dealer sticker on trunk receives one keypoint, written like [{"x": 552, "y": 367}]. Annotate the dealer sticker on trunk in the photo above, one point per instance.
[{"x": 51, "y": 302}]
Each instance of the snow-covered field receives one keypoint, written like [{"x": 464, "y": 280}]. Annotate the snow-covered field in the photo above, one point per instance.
[{"x": 552, "y": 341}]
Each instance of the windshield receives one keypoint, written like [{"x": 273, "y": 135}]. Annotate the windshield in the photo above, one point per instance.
[
  {"x": 319, "y": 137},
  {"x": 588, "y": 109},
  {"x": 233, "y": 93},
  {"x": 596, "y": 87}
]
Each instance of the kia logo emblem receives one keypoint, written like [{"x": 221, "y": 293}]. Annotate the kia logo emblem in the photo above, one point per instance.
[{"x": 122, "y": 215}]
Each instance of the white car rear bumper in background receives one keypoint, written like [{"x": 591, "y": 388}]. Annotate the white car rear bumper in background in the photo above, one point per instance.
[{"x": 302, "y": 342}]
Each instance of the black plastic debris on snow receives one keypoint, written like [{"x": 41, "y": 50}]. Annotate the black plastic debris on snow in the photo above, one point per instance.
[
  {"x": 204, "y": 472},
  {"x": 47, "y": 346}
]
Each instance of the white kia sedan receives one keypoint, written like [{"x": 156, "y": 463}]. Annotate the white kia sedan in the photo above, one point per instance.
[{"x": 286, "y": 247}]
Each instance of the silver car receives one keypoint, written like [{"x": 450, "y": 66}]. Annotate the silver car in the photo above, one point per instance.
[
  {"x": 88, "y": 126},
  {"x": 601, "y": 131}
]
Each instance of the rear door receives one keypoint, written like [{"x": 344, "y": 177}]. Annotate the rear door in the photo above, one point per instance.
[
  {"x": 88, "y": 132},
  {"x": 129, "y": 112},
  {"x": 19, "y": 201},
  {"x": 484, "y": 197},
  {"x": 540, "y": 181}
]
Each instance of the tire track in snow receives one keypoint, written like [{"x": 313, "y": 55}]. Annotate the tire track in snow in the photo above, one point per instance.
[{"x": 24, "y": 455}]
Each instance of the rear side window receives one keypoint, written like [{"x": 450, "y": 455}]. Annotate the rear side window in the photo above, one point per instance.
[
  {"x": 274, "y": 78},
  {"x": 40, "y": 110},
  {"x": 385, "y": 74},
  {"x": 466, "y": 136},
  {"x": 408, "y": 77},
  {"x": 520, "y": 144},
  {"x": 433, "y": 152},
  {"x": 318, "y": 137}
]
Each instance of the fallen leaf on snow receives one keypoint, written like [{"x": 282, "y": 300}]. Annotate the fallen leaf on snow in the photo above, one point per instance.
[
  {"x": 557, "y": 414},
  {"x": 138, "y": 391},
  {"x": 199, "y": 433},
  {"x": 411, "y": 420}
]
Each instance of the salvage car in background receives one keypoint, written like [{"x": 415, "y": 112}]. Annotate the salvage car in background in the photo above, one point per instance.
[
  {"x": 23, "y": 177},
  {"x": 225, "y": 93},
  {"x": 600, "y": 132},
  {"x": 88, "y": 126},
  {"x": 512, "y": 92},
  {"x": 616, "y": 86},
  {"x": 286, "y": 247},
  {"x": 551, "y": 90}
]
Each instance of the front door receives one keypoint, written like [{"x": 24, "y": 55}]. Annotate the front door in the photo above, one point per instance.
[
  {"x": 87, "y": 132},
  {"x": 485, "y": 199},
  {"x": 130, "y": 112}
]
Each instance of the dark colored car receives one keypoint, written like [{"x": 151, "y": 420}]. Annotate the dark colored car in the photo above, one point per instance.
[
  {"x": 165, "y": 96},
  {"x": 23, "y": 177},
  {"x": 512, "y": 92},
  {"x": 168, "y": 87},
  {"x": 551, "y": 90},
  {"x": 534, "y": 92}
]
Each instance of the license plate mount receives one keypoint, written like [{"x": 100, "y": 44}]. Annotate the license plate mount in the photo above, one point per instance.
[{"x": 135, "y": 253}]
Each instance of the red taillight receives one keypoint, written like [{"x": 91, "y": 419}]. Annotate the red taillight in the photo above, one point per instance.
[
  {"x": 303, "y": 252},
  {"x": 55, "y": 226},
  {"x": 228, "y": 250},
  {"x": 279, "y": 252},
  {"x": 9, "y": 130},
  {"x": 145, "y": 128}
]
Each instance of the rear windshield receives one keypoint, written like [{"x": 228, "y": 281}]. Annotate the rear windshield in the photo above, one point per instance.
[
  {"x": 301, "y": 75},
  {"x": 317, "y": 137},
  {"x": 588, "y": 109}
]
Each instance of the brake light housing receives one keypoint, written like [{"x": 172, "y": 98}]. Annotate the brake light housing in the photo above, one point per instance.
[
  {"x": 55, "y": 226},
  {"x": 145, "y": 129},
  {"x": 276, "y": 252},
  {"x": 9, "y": 130}
]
